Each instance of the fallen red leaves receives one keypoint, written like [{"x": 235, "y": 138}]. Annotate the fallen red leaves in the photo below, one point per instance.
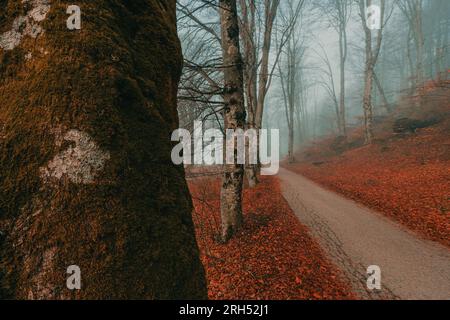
[
  {"x": 407, "y": 179},
  {"x": 272, "y": 258}
]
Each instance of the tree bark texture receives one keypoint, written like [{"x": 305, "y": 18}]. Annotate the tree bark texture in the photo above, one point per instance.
[
  {"x": 235, "y": 117},
  {"x": 86, "y": 176}
]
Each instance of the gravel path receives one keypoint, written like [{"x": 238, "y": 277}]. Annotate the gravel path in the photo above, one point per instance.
[{"x": 355, "y": 237}]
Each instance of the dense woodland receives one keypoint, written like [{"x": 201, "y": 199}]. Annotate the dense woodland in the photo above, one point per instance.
[
  {"x": 312, "y": 68},
  {"x": 359, "y": 90},
  {"x": 312, "y": 61}
]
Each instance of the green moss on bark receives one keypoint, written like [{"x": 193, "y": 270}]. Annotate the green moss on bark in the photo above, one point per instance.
[{"x": 130, "y": 231}]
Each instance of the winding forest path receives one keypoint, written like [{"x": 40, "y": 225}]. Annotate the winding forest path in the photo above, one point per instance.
[{"x": 355, "y": 237}]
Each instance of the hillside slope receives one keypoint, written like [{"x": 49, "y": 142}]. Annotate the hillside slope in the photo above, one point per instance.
[{"x": 405, "y": 176}]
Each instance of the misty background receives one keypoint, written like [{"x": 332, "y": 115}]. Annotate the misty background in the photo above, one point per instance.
[{"x": 312, "y": 39}]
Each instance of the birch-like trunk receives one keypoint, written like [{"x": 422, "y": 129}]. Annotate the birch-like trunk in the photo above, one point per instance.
[
  {"x": 271, "y": 9},
  {"x": 343, "y": 56},
  {"x": 234, "y": 118},
  {"x": 372, "y": 55},
  {"x": 291, "y": 155},
  {"x": 251, "y": 169},
  {"x": 419, "y": 36},
  {"x": 384, "y": 99},
  {"x": 256, "y": 86},
  {"x": 367, "y": 103},
  {"x": 247, "y": 32}
]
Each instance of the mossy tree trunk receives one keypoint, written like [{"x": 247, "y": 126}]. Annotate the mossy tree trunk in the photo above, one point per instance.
[{"x": 86, "y": 177}]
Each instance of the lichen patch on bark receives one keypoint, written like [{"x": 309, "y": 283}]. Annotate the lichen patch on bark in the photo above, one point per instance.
[
  {"x": 39, "y": 10},
  {"x": 80, "y": 163},
  {"x": 25, "y": 25}
]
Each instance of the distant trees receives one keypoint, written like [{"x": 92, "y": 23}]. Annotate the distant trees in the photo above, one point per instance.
[
  {"x": 393, "y": 61},
  {"x": 414, "y": 49},
  {"x": 201, "y": 86},
  {"x": 208, "y": 80},
  {"x": 413, "y": 11},
  {"x": 256, "y": 58},
  {"x": 338, "y": 14},
  {"x": 428, "y": 24},
  {"x": 290, "y": 73}
]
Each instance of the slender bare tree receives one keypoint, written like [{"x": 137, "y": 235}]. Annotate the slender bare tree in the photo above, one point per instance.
[
  {"x": 257, "y": 74},
  {"x": 234, "y": 118},
  {"x": 338, "y": 14},
  {"x": 372, "y": 53},
  {"x": 413, "y": 11},
  {"x": 259, "y": 69},
  {"x": 289, "y": 71}
]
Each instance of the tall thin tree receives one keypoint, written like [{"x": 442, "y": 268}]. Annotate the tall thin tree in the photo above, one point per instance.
[
  {"x": 372, "y": 53},
  {"x": 234, "y": 118}
]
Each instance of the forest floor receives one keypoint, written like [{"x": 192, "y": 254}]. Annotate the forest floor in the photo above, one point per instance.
[
  {"x": 405, "y": 177},
  {"x": 273, "y": 257}
]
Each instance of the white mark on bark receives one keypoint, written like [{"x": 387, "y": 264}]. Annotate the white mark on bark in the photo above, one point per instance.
[
  {"x": 25, "y": 25},
  {"x": 80, "y": 163},
  {"x": 39, "y": 10},
  {"x": 10, "y": 39},
  {"x": 43, "y": 51}
]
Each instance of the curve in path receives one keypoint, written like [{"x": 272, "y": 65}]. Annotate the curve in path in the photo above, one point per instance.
[{"x": 355, "y": 237}]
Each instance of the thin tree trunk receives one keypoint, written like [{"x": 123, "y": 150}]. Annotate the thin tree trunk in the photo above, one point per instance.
[
  {"x": 412, "y": 68},
  {"x": 292, "y": 87},
  {"x": 231, "y": 193},
  {"x": 271, "y": 8},
  {"x": 343, "y": 56},
  {"x": 247, "y": 32},
  {"x": 251, "y": 170},
  {"x": 381, "y": 91},
  {"x": 419, "y": 42},
  {"x": 367, "y": 104},
  {"x": 372, "y": 55},
  {"x": 291, "y": 136}
]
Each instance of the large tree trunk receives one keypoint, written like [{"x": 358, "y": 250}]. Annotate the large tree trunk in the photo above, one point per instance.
[
  {"x": 86, "y": 176},
  {"x": 231, "y": 194}
]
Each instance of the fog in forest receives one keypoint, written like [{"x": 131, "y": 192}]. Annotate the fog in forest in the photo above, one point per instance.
[
  {"x": 126, "y": 172},
  {"x": 312, "y": 42}
]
